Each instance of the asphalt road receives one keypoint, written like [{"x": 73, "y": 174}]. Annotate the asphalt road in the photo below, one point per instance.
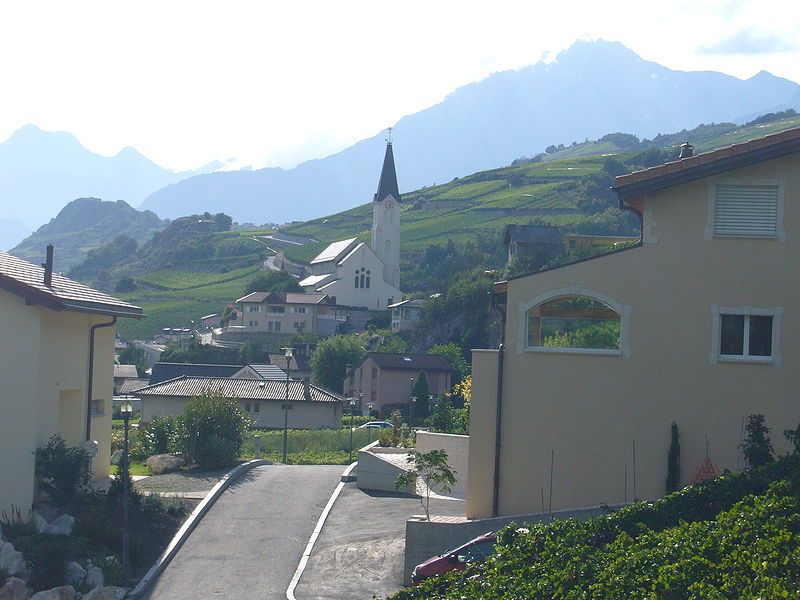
[{"x": 250, "y": 542}]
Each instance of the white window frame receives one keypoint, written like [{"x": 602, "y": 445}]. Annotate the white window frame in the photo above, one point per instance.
[
  {"x": 775, "y": 312},
  {"x": 623, "y": 310},
  {"x": 779, "y": 183}
]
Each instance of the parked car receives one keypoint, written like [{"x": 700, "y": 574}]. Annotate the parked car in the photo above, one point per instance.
[
  {"x": 375, "y": 425},
  {"x": 477, "y": 550}
]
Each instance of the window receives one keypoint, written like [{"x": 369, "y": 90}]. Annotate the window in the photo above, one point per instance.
[
  {"x": 745, "y": 334},
  {"x": 247, "y": 407},
  {"x": 277, "y": 325},
  {"x": 746, "y": 208},
  {"x": 98, "y": 408},
  {"x": 574, "y": 320},
  {"x": 277, "y": 309},
  {"x": 253, "y": 309},
  {"x": 299, "y": 325},
  {"x": 269, "y": 325},
  {"x": 358, "y": 280},
  {"x": 252, "y": 323},
  {"x": 256, "y": 407},
  {"x": 299, "y": 310}
]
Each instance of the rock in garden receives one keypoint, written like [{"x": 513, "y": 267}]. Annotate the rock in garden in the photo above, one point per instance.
[
  {"x": 108, "y": 593},
  {"x": 75, "y": 574},
  {"x": 14, "y": 589},
  {"x": 164, "y": 463},
  {"x": 116, "y": 457},
  {"x": 39, "y": 522},
  {"x": 63, "y": 525},
  {"x": 94, "y": 576},
  {"x": 11, "y": 561},
  {"x": 65, "y": 592}
]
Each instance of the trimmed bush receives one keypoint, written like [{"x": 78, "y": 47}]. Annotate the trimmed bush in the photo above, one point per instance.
[{"x": 62, "y": 470}]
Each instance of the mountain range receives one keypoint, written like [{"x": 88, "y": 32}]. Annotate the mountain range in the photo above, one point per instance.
[{"x": 588, "y": 90}]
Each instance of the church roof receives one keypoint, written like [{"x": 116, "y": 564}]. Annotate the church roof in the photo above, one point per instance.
[
  {"x": 334, "y": 250},
  {"x": 388, "y": 183}
]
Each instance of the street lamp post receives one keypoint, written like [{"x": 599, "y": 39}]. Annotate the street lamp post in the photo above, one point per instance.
[
  {"x": 288, "y": 353},
  {"x": 127, "y": 410},
  {"x": 370, "y": 406},
  {"x": 352, "y": 403},
  {"x": 411, "y": 416}
]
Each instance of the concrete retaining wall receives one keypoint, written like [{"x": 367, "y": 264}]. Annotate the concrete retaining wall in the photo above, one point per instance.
[
  {"x": 457, "y": 448},
  {"x": 376, "y": 471},
  {"x": 425, "y": 539}
]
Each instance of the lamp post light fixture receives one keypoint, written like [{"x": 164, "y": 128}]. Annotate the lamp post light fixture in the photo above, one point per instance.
[
  {"x": 411, "y": 416},
  {"x": 287, "y": 352},
  {"x": 370, "y": 406},
  {"x": 127, "y": 410},
  {"x": 352, "y": 403}
]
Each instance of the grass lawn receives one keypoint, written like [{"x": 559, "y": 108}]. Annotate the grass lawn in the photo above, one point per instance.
[{"x": 135, "y": 468}]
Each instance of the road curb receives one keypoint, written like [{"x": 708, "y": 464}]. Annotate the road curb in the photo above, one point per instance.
[
  {"x": 317, "y": 530},
  {"x": 190, "y": 523}
]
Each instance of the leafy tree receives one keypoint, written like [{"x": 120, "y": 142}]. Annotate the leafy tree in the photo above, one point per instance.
[
  {"x": 673, "y": 461},
  {"x": 126, "y": 284},
  {"x": 250, "y": 354},
  {"x": 432, "y": 468},
  {"x": 757, "y": 447},
  {"x": 195, "y": 352},
  {"x": 273, "y": 281},
  {"x": 793, "y": 435},
  {"x": 330, "y": 359},
  {"x": 134, "y": 356},
  {"x": 212, "y": 430},
  {"x": 459, "y": 368}
]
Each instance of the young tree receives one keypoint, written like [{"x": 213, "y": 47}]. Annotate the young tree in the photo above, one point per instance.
[
  {"x": 134, "y": 356},
  {"x": 673, "y": 461},
  {"x": 757, "y": 447},
  {"x": 420, "y": 391},
  {"x": 330, "y": 359},
  {"x": 459, "y": 368},
  {"x": 273, "y": 281},
  {"x": 432, "y": 468}
]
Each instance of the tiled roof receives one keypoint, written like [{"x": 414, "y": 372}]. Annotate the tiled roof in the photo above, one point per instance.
[
  {"x": 412, "y": 362},
  {"x": 163, "y": 371},
  {"x": 27, "y": 280},
  {"x": 262, "y": 371},
  {"x": 299, "y": 362},
  {"x": 243, "y": 389},
  {"x": 285, "y": 298},
  {"x": 708, "y": 163},
  {"x": 131, "y": 385},
  {"x": 416, "y": 303},
  {"x": 127, "y": 371}
]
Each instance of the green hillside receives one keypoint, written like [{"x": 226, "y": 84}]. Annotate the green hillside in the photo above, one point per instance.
[{"x": 180, "y": 279}]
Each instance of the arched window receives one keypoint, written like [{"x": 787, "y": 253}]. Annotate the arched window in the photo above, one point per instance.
[
  {"x": 367, "y": 279},
  {"x": 362, "y": 281},
  {"x": 573, "y": 323},
  {"x": 356, "y": 285}
]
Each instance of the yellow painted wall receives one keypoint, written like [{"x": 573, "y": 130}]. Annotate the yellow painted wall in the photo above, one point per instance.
[{"x": 589, "y": 410}]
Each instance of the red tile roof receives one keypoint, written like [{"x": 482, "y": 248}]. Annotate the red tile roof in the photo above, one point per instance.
[{"x": 27, "y": 280}]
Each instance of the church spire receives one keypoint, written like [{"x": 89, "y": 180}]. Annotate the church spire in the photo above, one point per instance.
[{"x": 388, "y": 181}]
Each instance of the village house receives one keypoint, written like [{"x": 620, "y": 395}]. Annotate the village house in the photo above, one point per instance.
[
  {"x": 289, "y": 313},
  {"x": 697, "y": 324},
  {"x": 406, "y": 314},
  {"x": 384, "y": 381},
  {"x": 57, "y": 371},
  {"x": 310, "y": 407}
]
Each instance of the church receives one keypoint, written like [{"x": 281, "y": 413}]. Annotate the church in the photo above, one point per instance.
[{"x": 356, "y": 274}]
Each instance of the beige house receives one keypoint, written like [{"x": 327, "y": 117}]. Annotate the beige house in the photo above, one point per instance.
[
  {"x": 288, "y": 313},
  {"x": 385, "y": 380},
  {"x": 310, "y": 407},
  {"x": 698, "y": 324},
  {"x": 56, "y": 371},
  {"x": 406, "y": 314}
]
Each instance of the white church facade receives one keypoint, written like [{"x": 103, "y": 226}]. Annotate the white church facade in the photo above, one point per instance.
[{"x": 359, "y": 275}]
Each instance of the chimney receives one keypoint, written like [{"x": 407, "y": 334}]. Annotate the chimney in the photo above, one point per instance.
[
  {"x": 48, "y": 266},
  {"x": 307, "y": 387},
  {"x": 687, "y": 150}
]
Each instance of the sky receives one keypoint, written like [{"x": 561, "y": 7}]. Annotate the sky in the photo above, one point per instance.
[{"x": 268, "y": 83}]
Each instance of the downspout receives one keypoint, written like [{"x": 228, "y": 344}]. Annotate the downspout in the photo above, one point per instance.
[
  {"x": 91, "y": 375},
  {"x": 499, "y": 304}
]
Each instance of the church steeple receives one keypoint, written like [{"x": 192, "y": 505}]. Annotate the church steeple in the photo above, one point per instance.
[
  {"x": 386, "y": 219},
  {"x": 388, "y": 181}
]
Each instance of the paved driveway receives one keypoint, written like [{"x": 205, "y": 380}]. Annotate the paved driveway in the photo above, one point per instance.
[{"x": 250, "y": 542}]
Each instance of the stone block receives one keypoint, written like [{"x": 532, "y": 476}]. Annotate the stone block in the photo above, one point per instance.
[
  {"x": 15, "y": 589},
  {"x": 164, "y": 463}
]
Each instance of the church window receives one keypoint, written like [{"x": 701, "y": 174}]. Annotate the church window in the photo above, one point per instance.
[
  {"x": 357, "y": 279},
  {"x": 367, "y": 280},
  {"x": 362, "y": 281}
]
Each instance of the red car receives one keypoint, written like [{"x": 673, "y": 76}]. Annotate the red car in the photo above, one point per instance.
[{"x": 477, "y": 550}]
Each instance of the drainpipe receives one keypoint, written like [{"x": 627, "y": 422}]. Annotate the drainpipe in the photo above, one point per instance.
[
  {"x": 498, "y": 304},
  {"x": 91, "y": 374}
]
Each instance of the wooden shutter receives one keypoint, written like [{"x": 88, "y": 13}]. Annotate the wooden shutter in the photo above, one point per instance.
[{"x": 750, "y": 210}]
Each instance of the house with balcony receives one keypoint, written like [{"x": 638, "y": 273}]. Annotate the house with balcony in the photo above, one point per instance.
[
  {"x": 406, "y": 314},
  {"x": 697, "y": 324},
  {"x": 289, "y": 313},
  {"x": 56, "y": 372}
]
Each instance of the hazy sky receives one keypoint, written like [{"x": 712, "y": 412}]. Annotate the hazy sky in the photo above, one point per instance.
[{"x": 270, "y": 83}]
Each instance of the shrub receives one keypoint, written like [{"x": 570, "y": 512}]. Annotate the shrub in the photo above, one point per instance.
[
  {"x": 62, "y": 471},
  {"x": 757, "y": 448},
  {"x": 46, "y": 556},
  {"x": 158, "y": 436},
  {"x": 211, "y": 430}
]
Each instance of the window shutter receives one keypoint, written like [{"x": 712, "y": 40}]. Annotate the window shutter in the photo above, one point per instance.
[{"x": 750, "y": 210}]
